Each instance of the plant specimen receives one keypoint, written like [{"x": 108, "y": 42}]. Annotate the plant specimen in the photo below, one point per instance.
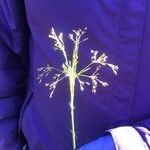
[{"x": 69, "y": 70}]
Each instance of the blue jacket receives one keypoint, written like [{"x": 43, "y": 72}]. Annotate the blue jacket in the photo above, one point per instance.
[{"x": 121, "y": 29}]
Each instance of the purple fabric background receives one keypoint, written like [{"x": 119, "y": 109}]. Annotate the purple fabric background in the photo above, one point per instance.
[{"x": 119, "y": 28}]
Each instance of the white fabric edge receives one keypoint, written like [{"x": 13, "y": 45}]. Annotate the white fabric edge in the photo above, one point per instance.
[
  {"x": 127, "y": 138},
  {"x": 147, "y": 133}
]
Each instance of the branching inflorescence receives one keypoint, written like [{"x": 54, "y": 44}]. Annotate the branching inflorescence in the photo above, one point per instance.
[{"x": 69, "y": 71}]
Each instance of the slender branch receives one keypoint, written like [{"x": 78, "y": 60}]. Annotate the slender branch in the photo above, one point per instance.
[
  {"x": 59, "y": 43},
  {"x": 84, "y": 69},
  {"x": 83, "y": 75},
  {"x": 53, "y": 85},
  {"x": 58, "y": 70},
  {"x": 62, "y": 78}
]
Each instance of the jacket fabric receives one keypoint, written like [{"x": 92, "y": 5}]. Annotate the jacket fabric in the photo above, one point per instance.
[{"x": 119, "y": 28}]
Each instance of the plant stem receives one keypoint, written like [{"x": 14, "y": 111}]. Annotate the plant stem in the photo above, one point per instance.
[
  {"x": 72, "y": 76},
  {"x": 72, "y": 89}
]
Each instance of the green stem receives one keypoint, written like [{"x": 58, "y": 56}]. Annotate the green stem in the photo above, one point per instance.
[
  {"x": 72, "y": 89},
  {"x": 72, "y": 77}
]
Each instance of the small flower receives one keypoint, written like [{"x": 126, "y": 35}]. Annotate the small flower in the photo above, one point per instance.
[
  {"x": 94, "y": 82},
  {"x": 82, "y": 83},
  {"x": 78, "y": 34},
  {"x": 94, "y": 57},
  {"x": 102, "y": 59},
  {"x": 51, "y": 87},
  {"x": 114, "y": 68},
  {"x": 43, "y": 72},
  {"x": 71, "y": 37},
  {"x": 59, "y": 44}
]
